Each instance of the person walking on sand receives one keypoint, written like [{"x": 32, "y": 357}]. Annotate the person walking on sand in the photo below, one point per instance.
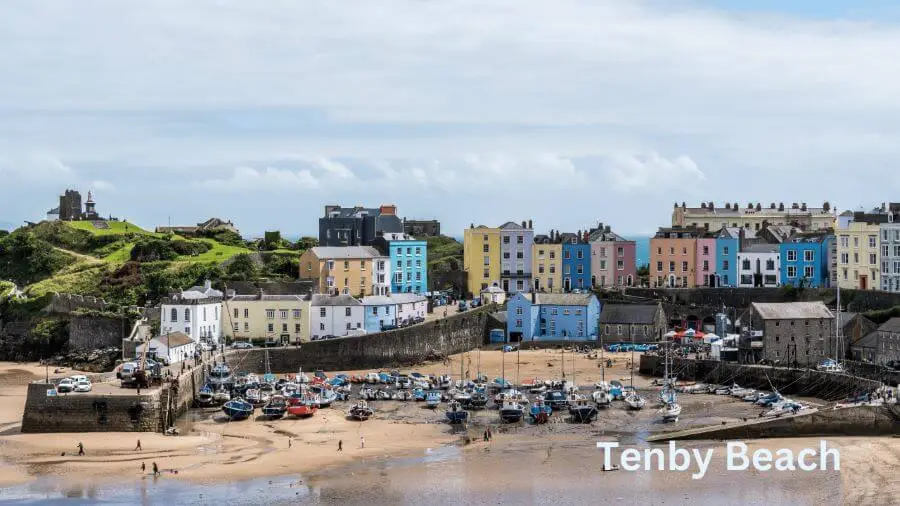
[
  {"x": 362, "y": 443},
  {"x": 340, "y": 445},
  {"x": 485, "y": 436},
  {"x": 138, "y": 447},
  {"x": 143, "y": 467},
  {"x": 290, "y": 442},
  {"x": 80, "y": 449},
  {"x": 155, "y": 470}
]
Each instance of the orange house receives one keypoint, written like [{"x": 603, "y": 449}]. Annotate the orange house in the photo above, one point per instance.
[{"x": 673, "y": 257}]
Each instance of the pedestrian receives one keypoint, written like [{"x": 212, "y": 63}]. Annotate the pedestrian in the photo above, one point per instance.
[
  {"x": 80, "y": 449},
  {"x": 290, "y": 442},
  {"x": 139, "y": 390},
  {"x": 485, "y": 437},
  {"x": 490, "y": 434},
  {"x": 143, "y": 467},
  {"x": 155, "y": 470},
  {"x": 340, "y": 445},
  {"x": 362, "y": 442},
  {"x": 138, "y": 447}
]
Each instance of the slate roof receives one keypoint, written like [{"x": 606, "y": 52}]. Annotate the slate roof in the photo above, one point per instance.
[
  {"x": 563, "y": 299},
  {"x": 263, "y": 297},
  {"x": 792, "y": 310},
  {"x": 377, "y": 300},
  {"x": 346, "y": 252},
  {"x": 642, "y": 314},
  {"x": 870, "y": 340},
  {"x": 334, "y": 300},
  {"x": 761, "y": 248},
  {"x": 509, "y": 225},
  {"x": 892, "y": 325},
  {"x": 174, "y": 339}
]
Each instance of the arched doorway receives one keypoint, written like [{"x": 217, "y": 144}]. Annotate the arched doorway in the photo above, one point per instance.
[
  {"x": 709, "y": 324},
  {"x": 630, "y": 280},
  {"x": 692, "y": 322}
]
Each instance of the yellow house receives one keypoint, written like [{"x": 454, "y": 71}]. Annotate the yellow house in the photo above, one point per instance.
[
  {"x": 348, "y": 270},
  {"x": 481, "y": 257},
  {"x": 858, "y": 255},
  {"x": 284, "y": 318},
  {"x": 546, "y": 266}
]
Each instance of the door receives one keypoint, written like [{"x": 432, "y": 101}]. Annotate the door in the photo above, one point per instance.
[
  {"x": 863, "y": 282},
  {"x": 567, "y": 284}
]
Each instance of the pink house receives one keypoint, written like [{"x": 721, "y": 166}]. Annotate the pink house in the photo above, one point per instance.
[
  {"x": 612, "y": 258},
  {"x": 706, "y": 261}
]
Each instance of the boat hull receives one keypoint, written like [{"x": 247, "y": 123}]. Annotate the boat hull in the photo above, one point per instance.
[
  {"x": 511, "y": 415},
  {"x": 583, "y": 414},
  {"x": 302, "y": 410}
]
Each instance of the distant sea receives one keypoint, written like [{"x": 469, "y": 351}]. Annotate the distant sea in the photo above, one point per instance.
[{"x": 641, "y": 249}]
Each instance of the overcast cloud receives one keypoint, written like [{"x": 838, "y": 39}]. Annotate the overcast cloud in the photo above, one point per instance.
[{"x": 566, "y": 112}]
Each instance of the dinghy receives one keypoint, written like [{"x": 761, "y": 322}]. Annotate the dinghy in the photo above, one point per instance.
[
  {"x": 360, "y": 411},
  {"x": 456, "y": 413},
  {"x": 238, "y": 409}
]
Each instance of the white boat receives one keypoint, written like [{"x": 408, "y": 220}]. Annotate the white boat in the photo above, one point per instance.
[
  {"x": 510, "y": 395},
  {"x": 301, "y": 378},
  {"x": 740, "y": 392},
  {"x": 368, "y": 394},
  {"x": 753, "y": 396},
  {"x": 785, "y": 407},
  {"x": 670, "y": 412},
  {"x": 221, "y": 396},
  {"x": 372, "y": 378},
  {"x": 575, "y": 399},
  {"x": 723, "y": 391},
  {"x": 634, "y": 401},
  {"x": 601, "y": 398}
]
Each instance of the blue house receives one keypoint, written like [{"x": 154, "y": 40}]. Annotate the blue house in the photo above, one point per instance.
[
  {"x": 379, "y": 312},
  {"x": 804, "y": 261},
  {"x": 726, "y": 260},
  {"x": 409, "y": 262},
  {"x": 553, "y": 317},
  {"x": 576, "y": 263}
]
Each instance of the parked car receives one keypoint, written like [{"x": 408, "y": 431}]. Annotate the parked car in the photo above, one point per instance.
[
  {"x": 83, "y": 386},
  {"x": 242, "y": 345},
  {"x": 78, "y": 378},
  {"x": 271, "y": 342},
  {"x": 205, "y": 346},
  {"x": 65, "y": 385},
  {"x": 127, "y": 371}
]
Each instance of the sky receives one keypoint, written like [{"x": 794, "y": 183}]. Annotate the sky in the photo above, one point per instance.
[{"x": 568, "y": 112}]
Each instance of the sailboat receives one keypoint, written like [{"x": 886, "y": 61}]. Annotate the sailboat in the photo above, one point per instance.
[
  {"x": 671, "y": 409},
  {"x": 456, "y": 413},
  {"x": 511, "y": 411},
  {"x": 540, "y": 411},
  {"x": 632, "y": 399}
]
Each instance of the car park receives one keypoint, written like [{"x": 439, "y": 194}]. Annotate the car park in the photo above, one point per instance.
[
  {"x": 242, "y": 345},
  {"x": 83, "y": 386},
  {"x": 65, "y": 385}
]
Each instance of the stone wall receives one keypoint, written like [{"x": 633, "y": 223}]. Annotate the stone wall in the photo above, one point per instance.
[
  {"x": 93, "y": 332},
  {"x": 395, "y": 348},
  {"x": 804, "y": 382},
  {"x": 66, "y": 303}
]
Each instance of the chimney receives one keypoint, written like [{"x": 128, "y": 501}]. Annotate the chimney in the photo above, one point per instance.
[
  {"x": 741, "y": 239},
  {"x": 749, "y": 205},
  {"x": 703, "y": 205},
  {"x": 712, "y": 205},
  {"x": 524, "y": 223},
  {"x": 772, "y": 205},
  {"x": 795, "y": 206},
  {"x": 803, "y": 206},
  {"x": 530, "y": 226},
  {"x": 728, "y": 206},
  {"x": 781, "y": 206},
  {"x": 388, "y": 209},
  {"x": 533, "y": 297}
]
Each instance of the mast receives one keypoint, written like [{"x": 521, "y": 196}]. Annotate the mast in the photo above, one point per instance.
[
  {"x": 562, "y": 361},
  {"x": 517, "y": 367},
  {"x": 503, "y": 366},
  {"x": 602, "y": 362},
  {"x": 837, "y": 325},
  {"x": 631, "y": 331}
]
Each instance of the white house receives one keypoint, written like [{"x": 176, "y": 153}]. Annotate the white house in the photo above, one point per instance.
[
  {"x": 337, "y": 315},
  {"x": 381, "y": 275},
  {"x": 195, "y": 311},
  {"x": 175, "y": 347},
  {"x": 759, "y": 265},
  {"x": 493, "y": 294},
  {"x": 409, "y": 306}
]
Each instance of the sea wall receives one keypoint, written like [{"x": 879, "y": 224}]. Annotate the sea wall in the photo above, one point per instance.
[
  {"x": 396, "y": 348},
  {"x": 828, "y": 386},
  {"x": 853, "y": 300}
]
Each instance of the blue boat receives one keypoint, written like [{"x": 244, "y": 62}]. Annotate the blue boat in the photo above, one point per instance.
[
  {"x": 418, "y": 394},
  {"x": 556, "y": 399},
  {"x": 616, "y": 391},
  {"x": 220, "y": 376},
  {"x": 540, "y": 411},
  {"x": 205, "y": 396},
  {"x": 456, "y": 413},
  {"x": 238, "y": 409},
  {"x": 432, "y": 399}
]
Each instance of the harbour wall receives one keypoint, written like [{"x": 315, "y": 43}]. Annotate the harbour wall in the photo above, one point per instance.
[
  {"x": 431, "y": 340},
  {"x": 151, "y": 411},
  {"x": 806, "y": 382}
]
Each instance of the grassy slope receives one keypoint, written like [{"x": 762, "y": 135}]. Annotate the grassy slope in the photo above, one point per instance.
[
  {"x": 115, "y": 228},
  {"x": 5, "y": 288}
]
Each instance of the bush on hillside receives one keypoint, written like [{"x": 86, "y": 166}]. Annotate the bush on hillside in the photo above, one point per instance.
[
  {"x": 26, "y": 259},
  {"x": 225, "y": 237},
  {"x": 190, "y": 248},
  {"x": 242, "y": 268},
  {"x": 153, "y": 250}
]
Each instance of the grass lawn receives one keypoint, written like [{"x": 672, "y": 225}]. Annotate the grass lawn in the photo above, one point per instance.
[
  {"x": 115, "y": 228},
  {"x": 83, "y": 282},
  {"x": 217, "y": 254}
]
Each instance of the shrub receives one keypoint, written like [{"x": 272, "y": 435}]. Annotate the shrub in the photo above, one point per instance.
[{"x": 153, "y": 250}]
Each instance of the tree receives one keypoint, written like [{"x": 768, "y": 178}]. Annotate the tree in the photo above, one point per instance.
[
  {"x": 242, "y": 268},
  {"x": 272, "y": 241}
]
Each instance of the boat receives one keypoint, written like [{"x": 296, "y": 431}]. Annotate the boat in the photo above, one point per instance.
[
  {"x": 456, "y": 413},
  {"x": 326, "y": 395},
  {"x": 478, "y": 400},
  {"x": 367, "y": 393},
  {"x": 360, "y": 411},
  {"x": 253, "y": 396},
  {"x": 276, "y": 407},
  {"x": 403, "y": 395},
  {"x": 540, "y": 411},
  {"x": 205, "y": 396},
  {"x": 670, "y": 412},
  {"x": 220, "y": 376},
  {"x": 418, "y": 394},
  {"x": 556, "y": 399},
  {"x": 511, "y": 411},
  {"x": 616, "y": 391},
  {"x": 238, "y": 409},
  {"x": 510, "y": 394},
  {"x": 303, "y": 407},
  {"x": 221, "y": 396},
  {"x": 301, "y": 378},
  {"x": 723, "y": 391},
  {"x": 432, "y": 399},
  {"x": 601, "y": 398},
  {"x": 462, "y": 396},
  {"x": 634, "y": 401},
  {"x": 768, "y": 400},
  {"x": 829, "y": 365},
  {"x": 583, "y": 411},
  {"x": 785, "y": 407},
  {"x": 740, "y": 392},
  {"x": 753, "y": 396}
]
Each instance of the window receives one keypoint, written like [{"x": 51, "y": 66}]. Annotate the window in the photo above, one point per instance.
[
  {"x": 745, "y": 265},
  {"x": 540, "y": 253},
  {"x": 553, "y": 311},
  {"x": 204, "y": 314},
  {"x": 520, "y": 239},
  {"x": 321, "y": 326},
  {"x": 770, "y": 265},
  {"x": 270, "y": 314},
  {"x": 297, "y": 313},
  {"x": 684, "y": 266},
  {"x": 566, "y": 311},
  {"x": 346, "y": 311},
  {"x": 519, "y": 323},
  {"x": 375, "y": 311},
  {"x": 845, "y": 258},
  {"x": 620, "y": 265},
  {"x": 791, "y": 273},
  {"x": 362, "y": 281},
  {"x": 236, "y": 327},
  {"x": 505, "y": 239},
  {"x": 845, "y": 241},
  {"x": 873, "y": 241},
  {"x": 271, "y": 327},
  {"x": 174, "y": 317},
  {"x": 885, "y": 250},
  {"x": 684, "y": 251},
  {"x": 506, "y": 255},
  {"x": 284, "y": 327},
  {"x": 540, "y": 268},
  {"x": 487, "y": 273},
  {"x": 579, "y": 269},
  {"x": 284, "y": 313},
  {"x": 520, "y": 255},
  {"x": 409, "y": 251},
  {"x": 792, "y": 255},
  {"x": 873, "y": 259},
  {"x": 809, "y": 256},
  {"x": 418, "y": 250},
  {"x": 725, "y": 250},
  {"x": 706, "y": 265},
  {"x": 552, "y": 269},
  {"x": 349, "y": 326},
  {"x": 706, "y": 250},
  {"x": 187, "y": 315},
  {"x": 659, "y": 267},
  {"x": 487, "y": 261},
  {"x": 659, "y": 251},
  {"x": 552, "y": 255},
  {"x": 671, "y": 266},
  {"x": 520, "y": 311},
  {"x": 619, "y": 252},
  {"x": 725, "y": 265},
  {"x": 418, "y": 276},
  {"x": 486, "y": 248},
  {"x": 246, "y": 326},
  {"x": 579, "y": 254},
  {"x": 855, "y": 242},
  {"x": 297, "y": 328},
  {"x": 567, "y": 269},
  {"x": 322, "y": 312},
  {"x": 671, "y": 251},
  {"x": 577, "y": 311},
  {"x": 235, "y": 312},
  {"x": 808, "y": 271},
  {"x": 567, "y": 254}
]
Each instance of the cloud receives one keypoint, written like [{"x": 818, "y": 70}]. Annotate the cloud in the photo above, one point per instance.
[
  {"x": 100, "y": 184},
  {"x": 35, "y": 167},
  {"x": 652, "y": 173},
  {"x": 270, "y": 178}
]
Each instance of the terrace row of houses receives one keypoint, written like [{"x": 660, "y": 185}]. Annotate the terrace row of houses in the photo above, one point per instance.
[
  {"x": 514, "y": 259},
  {"x": 206, "y": 314}
]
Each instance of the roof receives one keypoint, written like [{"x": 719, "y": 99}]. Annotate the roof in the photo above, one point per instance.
[
  {"x": 892, "y": 325},
  {"x": 55, "y": 210},
  {"x": 406, "y": 298},
  {"x": 264, "y": 297},
  {"x": 346, "y": 252},
  {"x": 493, "y": 289},
  {"x": 563, "y": 299},
  {"x": 761, "y": 248},
  {"x": 269, "y": 287},
  {"x": 511, "y": 226},
  {"x": 377, "y": 300},
  {"x": 642, "y": 314},
  {"x": 792, "y": 310},
  {"x": 870, "y": 340},
  {"x": 334, "y": 300},
  {"x": 174, "y": 339},
  {"x": 734, "y": 233}
]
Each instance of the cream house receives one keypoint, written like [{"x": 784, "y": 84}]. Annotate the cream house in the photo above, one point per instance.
[{"x": 284, "y": 318}]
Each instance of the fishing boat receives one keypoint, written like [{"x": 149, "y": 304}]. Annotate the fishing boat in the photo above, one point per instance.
[
  {"x": 478, "y": 400},
  {"x": 221, "y": 396},
  {"x": 601, "y": 398},
  {"x": 238, "y": 409},
  {"x": 785, "y": 407},
  {"x": 418, "y": 394},
  {"x": 740, "y": 392},
  {"x": 205, "y": 396},
  {"x": 670, "y": 412},
  {"x": 723, "y": 391},
  {"x": 540, "y": 411},
  {"x": 301, "y": 378},
  {"x": 403, "y": 395},
  {"x": 753, "y": 396},
  {"x": 367, "y": 393},
  {"x": 326, "y": 395},
  {"x": 276, "y": 407},
  {"x": 634, "y": 401},
  {"x": 769, "y": 399},
  {"x": 456, "y": 413},
  {"x": 582, "y": 411},
  {"x": 463, "y": 396},
  {"x": 510, "y": 394},
  {"x": 616, "y": 391},
  {"x": 253, "y": 396},
  {"x": 220, "y": 376},
  {"x": 829, "y": 365},
  {"x": 302, "y": 408},
  {"x": 511, "y": 411},
  {"x": 432, "y": 399},
  {"x": 360, "y": 411},
  {"x": 556, "y": 399}
]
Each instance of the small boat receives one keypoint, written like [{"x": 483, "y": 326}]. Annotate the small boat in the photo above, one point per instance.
[
  {"x": 499, "y": 384},
  {"x": 724, "y": 390},
  {"x": 538, "y": 389},
  {"x": 540, "y": 411},
  {"x": 768, "y": 400},
  {"x": 511, "y": 411},
  {"x": 635, "y": 401},
  {"x": 456, "y": 413},
  {"x": 753, "y": 396},
  {"x": 403, "y": 395},
  {"x": 510, "y": 394},
  {"x": 367, "y": 393},
  {"x": 445, "y": 382},
  {"x": 830, "y": 365},
  {"x": 326, "y": 395},
  {"x": 582, "y": 411},
  {"x": 432, "y": 399},
  {"x": 740, "y": 392},
  {"x": 360, "y": 411},
  {"x": 616, "y": 391},
  {"x": 220, "y": 376},
  {"x": 556, "y": 399},
  {"x": 670, "y": 412},
  {"x": 254, "y": 397},
  {"x": 478, "y": 400},
  {"x": 462, "y": 396},
  {"x": 238, "y": 409},
  {"x": 383, "y": 394},
  {"x": 601, "y": 398},
  {"x": 785, "y": 407},
  {"x": 403, "y": 382},
  {"x": 221, "y": 396},
  {"x": 276, "y": 407},
  {"x": 205, "y": 396},
  {"x": 418, "y": 394},
  {"x": 302, "y": 408}
]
